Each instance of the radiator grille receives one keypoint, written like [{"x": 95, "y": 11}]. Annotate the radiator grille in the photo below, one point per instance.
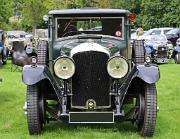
[
  {"x": 162, "y": 52},
  {"x": 91, "y": 80}
]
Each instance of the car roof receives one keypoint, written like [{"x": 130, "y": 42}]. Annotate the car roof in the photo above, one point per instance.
[
  {"x": 163, "y": 28},
  {"x": 85, "y": 11},
  {"x": 15, "y": 32},
  {"x": 174, "y": 29}
]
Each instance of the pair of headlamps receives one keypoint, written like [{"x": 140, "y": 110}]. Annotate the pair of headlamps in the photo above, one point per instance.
[{"x": 117, "y": 67}]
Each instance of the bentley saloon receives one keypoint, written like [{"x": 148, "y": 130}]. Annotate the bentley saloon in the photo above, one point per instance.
[{"x": 89, "y": 72}]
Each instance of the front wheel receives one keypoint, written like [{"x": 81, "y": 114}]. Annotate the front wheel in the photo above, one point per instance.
[
  {"x": 5, "y": 55},
  {"x": 147, "y": 110},
  {"x": 35, "y": 109},
  {"x": 177, "y": 58}
]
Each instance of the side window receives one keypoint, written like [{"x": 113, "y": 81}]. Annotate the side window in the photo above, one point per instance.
[
  {"x": 165, "y": 31},
  {"x": 156, "y": 32}
]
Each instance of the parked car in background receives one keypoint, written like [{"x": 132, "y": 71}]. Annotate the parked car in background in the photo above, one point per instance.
[
  {"x": 176, "y": 52},
  {"x": 3, "y": 49},
  {"x": 155, "y": 31},
  {"x": 14, "y": 36},
  {"x": 173, "y": 35},
  {"x": 40, "y": 35},
  {"x": 20, "y": 47},
  {"x": 29, "y": 36},
  {"x": 158, "y": 49},
  {"x": 91, "y": 76},
  {"x": 134, "y": 36}
]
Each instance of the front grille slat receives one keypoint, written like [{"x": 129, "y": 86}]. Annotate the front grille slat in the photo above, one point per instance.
[{"x": 91, "y": 80}]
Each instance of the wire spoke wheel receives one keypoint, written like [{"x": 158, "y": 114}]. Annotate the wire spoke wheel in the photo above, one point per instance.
[{"x": 146, "y": 112}]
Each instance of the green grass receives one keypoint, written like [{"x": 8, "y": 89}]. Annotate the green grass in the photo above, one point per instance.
[{"x": 13, "y": 121}]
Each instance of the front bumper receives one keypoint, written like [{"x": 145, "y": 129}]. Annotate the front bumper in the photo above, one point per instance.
[{"x": 162, "y": 60}]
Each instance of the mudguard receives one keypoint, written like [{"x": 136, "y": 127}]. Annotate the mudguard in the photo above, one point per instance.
[
  {"x": 150, "y": 74},
  {"x": 32, "y": 75}
]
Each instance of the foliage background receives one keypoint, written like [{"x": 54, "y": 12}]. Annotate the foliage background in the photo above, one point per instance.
[{"x": 151, "y": 13}]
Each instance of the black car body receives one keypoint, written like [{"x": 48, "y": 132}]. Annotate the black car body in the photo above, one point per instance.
[
  {"x": 173, "y": 35},
  {"x": 14, "y": 36},
  {"x": 176, "y": 52},
  {"x": 3, "y": 49},
  {"x": 90, "y": 74}
]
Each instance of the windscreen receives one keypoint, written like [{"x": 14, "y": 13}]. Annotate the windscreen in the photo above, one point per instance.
[
  {"x": 83, "y": 25},
  {"x": 173, "y": 31},
  {"x": 16, "y": 34}
]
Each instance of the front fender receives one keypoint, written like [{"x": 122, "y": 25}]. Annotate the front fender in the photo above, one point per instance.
[
  {"x": 32, "y": 75},
  {"x": 150, "y": 74}
]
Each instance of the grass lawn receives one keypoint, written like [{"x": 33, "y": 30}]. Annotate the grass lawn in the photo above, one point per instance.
[{"x": 13, "y": 121}]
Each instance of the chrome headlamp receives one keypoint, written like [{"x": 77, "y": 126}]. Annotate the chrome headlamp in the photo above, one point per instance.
[
  {"x": 117, "y": 67},
  {"x": 64, "y": 67},
  {"x": 34, "y": 60}
]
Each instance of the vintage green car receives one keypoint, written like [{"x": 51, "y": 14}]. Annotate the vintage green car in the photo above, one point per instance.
[{"x": 87, "y": 75}]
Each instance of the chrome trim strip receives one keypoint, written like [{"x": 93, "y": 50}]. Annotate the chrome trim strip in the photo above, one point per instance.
[{"x": 89, "y": 46}]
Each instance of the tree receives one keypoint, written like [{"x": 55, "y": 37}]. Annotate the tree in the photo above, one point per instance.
[
  {"x": 160, "y": 13},
  {"x": 6, "y": 11},
  {"x": 171, "y": 16},
  {"x": 33, "y": 11},
  {"x": 156, "y": 13},
  {"x": 57, "y": 4}
]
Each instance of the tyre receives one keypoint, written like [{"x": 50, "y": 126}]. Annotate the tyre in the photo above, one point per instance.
[
  {"x": 147, "y": 110},
  {"x": 42, "y": 53},
  {"x": 35, "y": 109},
  {"x": 138, "y": 52},
  {"x": 5, "y": 56},
  {"x": 1, "y": 61},
  {"x": 177, "y": 58},
  {"x": 4, "y": 60}
]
